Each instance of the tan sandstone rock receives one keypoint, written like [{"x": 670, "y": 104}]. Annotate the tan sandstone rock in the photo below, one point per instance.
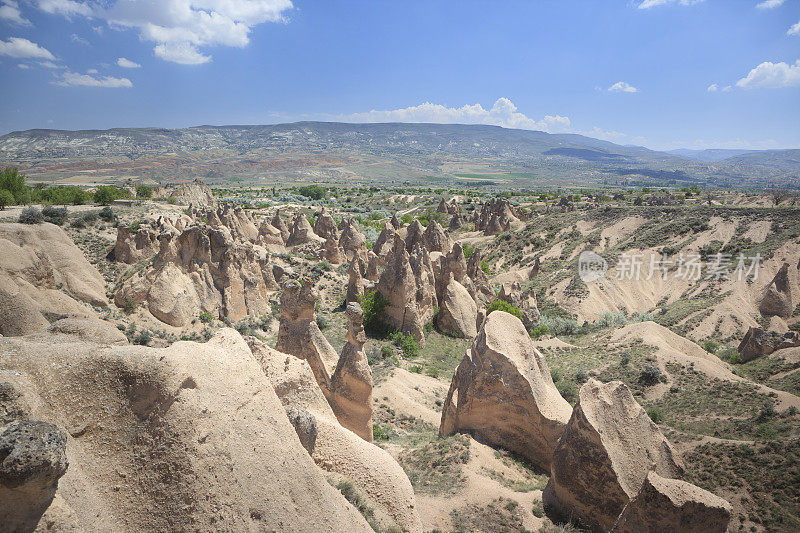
[
  {"x": 777, "y": 300},
  {"x": 604, "y": 455},
  {"x": 502, "y": 393},
  {"x": 457, "y": 311}
]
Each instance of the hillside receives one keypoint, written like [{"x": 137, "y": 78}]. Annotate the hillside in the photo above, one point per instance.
[{"x": 387, "y": 151}]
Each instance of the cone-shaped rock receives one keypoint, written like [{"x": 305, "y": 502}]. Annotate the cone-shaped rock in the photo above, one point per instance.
[
  {"x": 457, "y": 312},
  {"x": 777, "y": 300},
  {"x": 325, "y": 225}
]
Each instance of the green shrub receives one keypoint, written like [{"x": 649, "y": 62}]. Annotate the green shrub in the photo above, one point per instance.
[
  {"x": 485, "y": 268},
  {"x": 502, "y": 305},
  {"x": 54, "y": 215},
  {"x": 555, "y": 373},
  {"x": 432, "y": 372},
  {"x": 372, "y": 304},
  {"x": 538, "y": 509},
  {"x": 651, "y": 375},
  {"x": 386, "y": 351},
  {"x": 6, "y": 198},
  {"x": 415, "y": 369},
  {"x": 655, "y": 414},
  {"x": 106, "y": 194},
  {"x": 143, "y": 191},
  {"x": 206, "y": 317},
  {"x": 468, "y": 250},
  {"x": 406, "y": 342},
  {"x": 13, "y": 181},
  {"x": 539, "y": 331},
  {"x": 379, "y": 432},
  {"x": 129, "y": 306},
  {"x": 322, "y": 322},
  {"x": 568, "y": 390},
  {"x": 711, "y": 346},
  {"x": 30, "y": 215},
  {"x": 581, "y": 376},
  {"x": 106, "y": 214},
  {"x": 315, "y": 192},
  {"x": 143, "y": 338},
  {"x": 406, "y": 219}
]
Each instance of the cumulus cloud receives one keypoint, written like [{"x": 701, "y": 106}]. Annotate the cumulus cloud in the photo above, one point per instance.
[
  {"x": 9, "y": 12},
  {"x": 794, "y": 30},
  {"x": 770, "y": 75},
  {"x": 503, "y": 113},
  {"x": 770, "y": 4},
  {"x": 647, "y": 4},
  {"x": 623, "y": 87},
  {"x": 73, "y": 79},
  {"x": 23, "y": 49},
  {"x": 181, "y": 53},
  {"x": 127, "y": 63}
]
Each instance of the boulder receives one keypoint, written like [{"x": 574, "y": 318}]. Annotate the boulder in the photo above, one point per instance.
[
  {"x": 300, "y": 336},
  {"x": 351, "y": 384},
  {"x": 604, "y": 455},
  {"x": 666, "y": 505},
  {"x": 457, "y": 312},
  {"x": 777, "y": 299},
  {"x": 502, "y": 393}
]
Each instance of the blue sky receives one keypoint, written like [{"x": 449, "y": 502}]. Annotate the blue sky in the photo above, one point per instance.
[{"x": 660, "y": 73}]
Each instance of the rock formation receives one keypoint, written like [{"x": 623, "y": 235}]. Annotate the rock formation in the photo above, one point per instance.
[
  {"x": 351, "y": 384},
  {"x": 502, "y": 393},
  {"x": 512, "y": 293},
  {"x": 383, "y": 245},
  {"x": 448, "y": 208},
  {"x": 278, "y": 223},
  {"x": 355, "y": 283},
  {"x": 409, "y": 290},
  {"x": 131, "y": 248},
  {"x": 352, "y": 240},
  {"x": 777, "y": 300},
  {"x": 331, "y": 251},
  {"x": 456, "y": 222},
  {"x": 495, "y": 216},
  {"x": 146, "y": 433},
  {"x": 604, "y": 456},
  {"x": 483, "y": 291},
  {"x": 325, "y": 225},
  {"x": 457, "y": 311},
  {"x": 335, "y": 448},
  {"x": 194, "y": 193},
  {"x": 299, "y": 335},
  {"x": 414, "y": 234},
  {"x": 666, "y": 505},
  {"x": 758, "y": 343},
  {"x": 374, "y": 263},
  {"x": 395, "y": 222},
  {"x": 301, "y": 231},
  {"x": 435, "y": 239}
]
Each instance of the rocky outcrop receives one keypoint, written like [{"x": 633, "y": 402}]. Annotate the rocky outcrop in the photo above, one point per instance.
[
  {"x": 435, "y": 239},
  {"x": 383, "y": 245},
  {"x": 758, "y": 343},
  {"x": 495, "y": 216},
  {"x": 90, "y": 330},
  {"x": 336, "y": 449},
  {"x": 604, "y": 455},
  {"x": 669, "y": 505},
  {"x": 269, "y": 236},
  {"x": 512, "y": 293},
  {"x": 203, "y": 269},
  {"x": 374, "y": 264},
  {"x": 32, "y": 460},
  {"x": 325, "y": 225},
  {"x": 19, "y": 313},
  {"x": 395, "y": 222},
  {"x": 331, "y": 251},
  {"x": 409, "y": 289},
  {"x": 351, "y": 384},
  {"x": 483, "y": 293},
  {"x": 535, "y": 269},
  {"x": 456, "y": 222},
  {"x": 301, "y": 231},
  {"x": 355, "y": 282},
  {"x": 457, "y": 311},
  {"x": 777, "y": 299},
  {"x": 414, "y": 233},
  {"x": 147, "y": 431},
  {"x": 131, "y": 247},
  {"x": 278, "y": 223},
  {"x": 448, "y": 208},
  {"x": 195, "y": 193},
  {"x": 300, "y": 336},
  {"x": 452, "y": 264},
  {"x": 353, "y": 241},
  {"x": 502, "y": 393}
]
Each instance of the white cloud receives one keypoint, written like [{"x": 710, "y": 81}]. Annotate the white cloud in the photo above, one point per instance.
[
  {"x": 23, "y": 48},
  {"x": 727, "y": 88},
  {"x": 623, "y": 87},
  {"x": 75, "y": 38},
  {"x": 647, "y": 4},
  {"x": 73, "y": 79},
  {"x": 606, "y": 135},
  {"x": 9, "y": 11},
  {"x": 770, "y": 75},
  {"x": 770, "y": 4},
  {"x": 713, "y": 88},
  {"x": 795, "y": 29},
  {"x": 127, "y": 63},
  {"x": 91, "y": 71},
  {"x": 182, "y": 53},
  {"x": 23, "y": 66},
  {"x": 49, "y": 64},
  {"x": 503, "y": 113},
  {"x": 65, "y": 7}
]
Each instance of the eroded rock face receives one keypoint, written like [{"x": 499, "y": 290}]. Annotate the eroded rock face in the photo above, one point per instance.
[
  {"x": 604, "y": 456},
  {"x": 495, "y": 216},
  {"x": 301, "y": 231},
  {"x": 414, "y": 234},
  {"x": 435, "y": 239},
  {"x": 280, "y": 225},
  {"x": 337, "y": 449},
  {"x": 666, "y": 505},
  {"x": 409, "y": 289},
  {"x": 203, "y": 269},
  {"x": 777, "y": 300},
  {"x": 131, "y": 247},
  {"x": 512, "y": 293},
  {"x": 758, "y": 343},
  {"x": 151, "y": 426},
  {"x": 448, "y": 208},
  {"x": 332, "y": 252},
  {"x": 355, "y": 283},
  {"x": 483, "y": 291},
  {"x": 502, "y": 393},
  {"x": 374, "y": 264},
  {"x": 457, "y": 312},
  {"x": 456, "y": 222},
  {"x": 351, "y": 384},
  {"x": 353, "y": 241},
  {"x": 300, "y": 336},
  {"x": 89, "y": 329},
  {"x": 194, "y": 193},
  {"x": 32, "y": 460},
  {"x": 383, "y": 245},
  {"x": 325, "y": 225}
]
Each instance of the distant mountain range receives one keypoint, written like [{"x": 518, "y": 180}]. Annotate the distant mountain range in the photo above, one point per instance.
[{"x": 394, "y": 152}]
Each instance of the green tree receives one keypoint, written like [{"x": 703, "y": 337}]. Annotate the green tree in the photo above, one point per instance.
[
  {"x": 6, "y": 198},
  {"x": 106, "y": 194},
  {"x": 143, "y": 191},
  {"x": 13, "y": 181}
]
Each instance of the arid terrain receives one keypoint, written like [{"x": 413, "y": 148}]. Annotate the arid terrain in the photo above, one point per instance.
[{"x": 348, "y": 357}]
